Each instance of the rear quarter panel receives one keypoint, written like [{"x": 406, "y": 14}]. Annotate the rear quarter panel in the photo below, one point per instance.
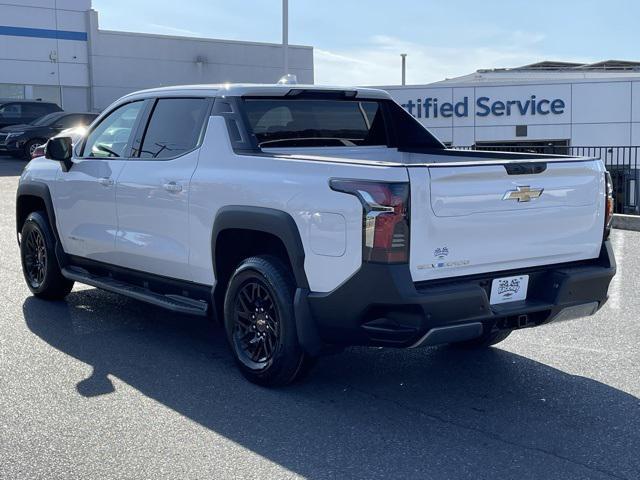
[{"x": 329, "y": 222}]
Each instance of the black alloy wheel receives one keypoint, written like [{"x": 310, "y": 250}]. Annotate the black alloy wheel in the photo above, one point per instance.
[
  {"x": 35, "y": 258},
  {"x": 256, "y": 325},
  {"x": 39, "y": 262},
  {"x": 260, "y": 322}
]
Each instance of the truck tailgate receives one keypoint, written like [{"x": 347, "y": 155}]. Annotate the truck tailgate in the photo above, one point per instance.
[{"x": 488, "y": 217}]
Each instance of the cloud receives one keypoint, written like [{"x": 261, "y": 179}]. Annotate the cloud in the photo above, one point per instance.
[{"x": 379, "y": 62}]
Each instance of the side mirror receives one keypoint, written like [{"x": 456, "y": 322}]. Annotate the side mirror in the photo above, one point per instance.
[{"x": 60, "y": 149}]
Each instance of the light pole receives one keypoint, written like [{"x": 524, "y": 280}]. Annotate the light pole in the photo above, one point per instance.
[
  {"x": 404, "y": 67},
  {"x": 285, "y": 35}
]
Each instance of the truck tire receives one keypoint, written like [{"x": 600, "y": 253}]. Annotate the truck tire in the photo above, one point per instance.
[
  {"x": 260, "y": 323},
  {"x": 484, "y": 341},
  {"x": 39, "y": 263}
]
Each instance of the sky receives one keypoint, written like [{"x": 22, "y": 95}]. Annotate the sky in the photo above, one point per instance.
[{"x": 359, "y": 42}]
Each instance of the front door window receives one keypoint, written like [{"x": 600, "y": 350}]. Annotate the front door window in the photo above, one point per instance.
[{"x": 110, "y": 139}]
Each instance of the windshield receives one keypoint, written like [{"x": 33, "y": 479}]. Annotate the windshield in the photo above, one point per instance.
[
  {"x": 286, "y": 122},
  {"x": 46, "y": 120}
]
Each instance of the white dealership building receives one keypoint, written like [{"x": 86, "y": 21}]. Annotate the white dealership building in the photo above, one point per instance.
[
  {"x": 54, "y": 50},
  {"x": 547, "y": 103}
]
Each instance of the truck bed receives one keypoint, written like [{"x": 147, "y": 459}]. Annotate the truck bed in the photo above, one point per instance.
[
  {"x": 424, "y": 157},
  {"x": 470, "y": 212}
]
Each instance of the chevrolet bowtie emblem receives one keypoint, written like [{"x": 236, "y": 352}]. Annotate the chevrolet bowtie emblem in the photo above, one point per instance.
[{"x": 523, "y": 194}]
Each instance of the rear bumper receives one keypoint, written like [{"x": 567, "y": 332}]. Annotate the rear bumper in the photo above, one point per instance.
[{"x": 381, "y": 305}]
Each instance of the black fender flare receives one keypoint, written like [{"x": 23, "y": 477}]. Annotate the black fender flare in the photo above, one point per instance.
[
  {"x": 41, "y": 190},
  {"x": 281, "y": 225},
  {"x": 268, "y": 220}
]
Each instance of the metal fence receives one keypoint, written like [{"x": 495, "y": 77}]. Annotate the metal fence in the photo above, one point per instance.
[{"x": 621, "y": 162}]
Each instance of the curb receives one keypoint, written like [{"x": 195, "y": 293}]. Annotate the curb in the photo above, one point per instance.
[{"x": 626, "y": 222}]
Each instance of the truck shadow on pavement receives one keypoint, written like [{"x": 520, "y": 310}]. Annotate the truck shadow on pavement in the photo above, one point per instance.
[{"x": 373, "y": 413}]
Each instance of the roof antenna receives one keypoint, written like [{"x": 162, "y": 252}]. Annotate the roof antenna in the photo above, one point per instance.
[{"x": 288, "y": 79}]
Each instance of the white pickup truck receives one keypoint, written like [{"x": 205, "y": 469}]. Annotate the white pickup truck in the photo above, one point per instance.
[{"x": 307, "y": 219}]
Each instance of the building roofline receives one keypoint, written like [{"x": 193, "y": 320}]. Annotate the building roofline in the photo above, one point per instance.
[
  {"x": 506, "y": 82},
  {"x": 199, "y": 39}
]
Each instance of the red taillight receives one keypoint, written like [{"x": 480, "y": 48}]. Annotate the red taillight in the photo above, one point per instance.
[
  {"x": 385, "y": 229},
  {"x": 608, "y": 206}
]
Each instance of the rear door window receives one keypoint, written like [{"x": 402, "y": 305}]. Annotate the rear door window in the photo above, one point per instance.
[
  {"x": 73, "y": 120},
  {"x": 175, "y": 127},
  {"x": 88, "y": 119},
  {"x": 35, "y": 110},
  {"x": 11, "y": 110},
  {"x": 48, "y": 119},
  {"x": 325, "y": 123}
]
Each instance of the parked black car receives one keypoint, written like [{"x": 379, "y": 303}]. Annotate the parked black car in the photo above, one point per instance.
[
  {"x": 14, "y": 112},
  {"x": 22, "y": 140}
]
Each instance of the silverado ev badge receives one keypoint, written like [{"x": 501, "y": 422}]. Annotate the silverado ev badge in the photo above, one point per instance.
[
  {"x": 523, "y": 194},
  {"x": 440, "y": 253}
]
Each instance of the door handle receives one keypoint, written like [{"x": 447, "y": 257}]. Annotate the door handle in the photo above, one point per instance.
[
  {"x": 105, "y": 181},
  {"x": 172, "y": 187}
]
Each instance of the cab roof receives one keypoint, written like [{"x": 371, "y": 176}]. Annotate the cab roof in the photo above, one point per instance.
[{"x": 248, "y": 89}]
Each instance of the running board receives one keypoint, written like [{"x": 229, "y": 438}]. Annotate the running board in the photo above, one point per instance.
[{"x": 175, "y": 303}]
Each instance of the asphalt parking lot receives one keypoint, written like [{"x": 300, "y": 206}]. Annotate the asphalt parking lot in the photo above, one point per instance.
[{"x": 100, "y": 386}]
